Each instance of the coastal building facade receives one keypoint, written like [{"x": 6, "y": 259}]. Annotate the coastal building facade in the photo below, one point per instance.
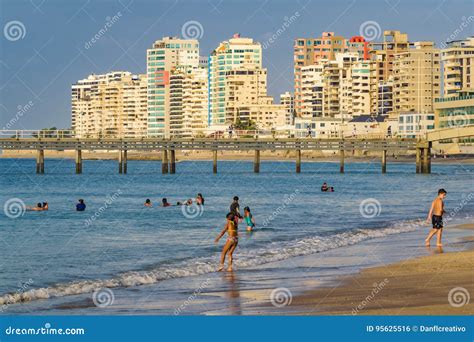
[
  {"x": 165, "y": 55},
  {"x": 458, "y": 67}
]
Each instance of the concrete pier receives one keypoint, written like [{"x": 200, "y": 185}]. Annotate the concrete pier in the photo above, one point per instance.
[
  {"x": 172, "y": 161},
  {"x": 418, "y": 160},
  {"x": 298, "y": 161},
  {"x": 78, "y": 161},
  {"x": 40, "y": 161},
  {"x": 384, "y": 161},
  {"x": 124, "y": 161},
  {"x": 256, "y": 162},
  {"x": 164, "y": 161},
  {"x": 214, "y": 161},
  {"x": 120, "y": 161},
  {"x": 341, "y": 165}
]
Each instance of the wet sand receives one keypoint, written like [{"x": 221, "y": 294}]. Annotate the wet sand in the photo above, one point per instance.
[{"x": 419, "y": 286}]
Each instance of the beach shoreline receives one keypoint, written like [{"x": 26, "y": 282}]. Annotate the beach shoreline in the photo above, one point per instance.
[{"x": 437, "y": 284}]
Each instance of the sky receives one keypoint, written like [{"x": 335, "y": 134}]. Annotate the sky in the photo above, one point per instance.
[{"x": 46, "y": 45}]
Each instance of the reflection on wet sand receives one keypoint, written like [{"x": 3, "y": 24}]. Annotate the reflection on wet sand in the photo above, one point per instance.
[{"x": 233, "y": 294}]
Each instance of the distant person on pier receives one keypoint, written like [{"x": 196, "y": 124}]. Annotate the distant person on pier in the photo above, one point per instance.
[
  {"x": 436, "y": 217},
  {"x": 81, "y": 206},
  {"x": 310, "y": 132},
  {"x": 148, "y": 203},
  {"x": 199, "y": 199}
]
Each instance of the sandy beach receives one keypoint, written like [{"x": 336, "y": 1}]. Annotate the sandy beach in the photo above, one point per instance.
[{"x": 418, "y": 286}]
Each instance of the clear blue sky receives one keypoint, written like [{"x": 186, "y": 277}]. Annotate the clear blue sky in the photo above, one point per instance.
[{"x": 41, "y": 65}]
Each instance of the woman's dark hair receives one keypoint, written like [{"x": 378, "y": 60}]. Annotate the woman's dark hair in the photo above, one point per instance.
[
  {"x": 247, "y": 209},
  {"x": 147, "y": 200},
  {"x": 230, "y": 216},
  {"x": 236, "y": 198}
]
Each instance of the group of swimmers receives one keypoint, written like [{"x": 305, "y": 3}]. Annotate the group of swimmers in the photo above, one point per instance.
[
  {"x": 199, "y": 200},
  {"x": 80, "y": 206},
  {"x": 326, "y": 188}
]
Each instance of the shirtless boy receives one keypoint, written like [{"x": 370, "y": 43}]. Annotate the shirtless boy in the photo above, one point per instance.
[{"x": 436, "y": 216}]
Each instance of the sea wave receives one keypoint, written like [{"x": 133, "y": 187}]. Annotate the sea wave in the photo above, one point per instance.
[{"x": 275, "y": 251}]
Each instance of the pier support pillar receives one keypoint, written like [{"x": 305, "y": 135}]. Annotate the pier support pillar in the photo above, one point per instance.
[
  {"x": 418, "y": 160},
  {"x": 124, "y": 161},
  {"x": 341, "y": 165},
  {"x": 298, "y": 161},
  {"x": 384, "y": 161},
  {"x": 78, "y": 161},
  {"x": 120, "y": 162},
  {"x": 256, "y": 162},
  {"x": 214, "y": 161},
  {"x": 164, "y": 161},
  {"x": 426, "y": 164},
  {"x": 172, "y": 161},
  {"x": 40, "y": 161}
]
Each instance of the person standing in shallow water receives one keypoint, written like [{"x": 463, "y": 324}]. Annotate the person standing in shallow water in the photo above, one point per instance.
[
  {"x": 231, "y": 228},
  {"x": 81, "y": 206},
  {"x": 436, "y": 216}
]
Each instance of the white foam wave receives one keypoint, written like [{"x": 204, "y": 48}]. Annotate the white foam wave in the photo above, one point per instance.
[{"x": 275, "y": 251}]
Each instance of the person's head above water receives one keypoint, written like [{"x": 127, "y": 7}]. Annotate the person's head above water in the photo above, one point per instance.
[
  {"x": 164, "y": 200},
  {"x": 81, "y": 201},
  {"x": 147, "y": 200},
  {"x": 442, "y": 193},
  {"x": 38, "y": 205},
  {"x": 236, "y": 198}
]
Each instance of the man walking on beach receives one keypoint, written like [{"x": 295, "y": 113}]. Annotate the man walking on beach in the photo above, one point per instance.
[{"x": 436, "y": 216}]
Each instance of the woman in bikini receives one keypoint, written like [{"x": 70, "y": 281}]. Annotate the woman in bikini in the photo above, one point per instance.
[{"x": 231, "y": 243}]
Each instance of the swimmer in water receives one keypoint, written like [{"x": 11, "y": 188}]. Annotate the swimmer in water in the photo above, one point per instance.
[
  {"x": 37, "y": 208},
  {"x": 148, "y": 203},
  {"x": 249, "y": 220},
  {"x": 165, "y": 203},
  {"x": 231, "y": 243},
  {"x": 81, "y": 206},
  {"x": 199, "y": 199}
]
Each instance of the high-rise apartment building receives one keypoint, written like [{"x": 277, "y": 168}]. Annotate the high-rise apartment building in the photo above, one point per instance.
[
  {"x": 458, "y": 67},
  {"x": 236, "y": 53},
  {"x": 188, "y": 101},
  {"x": 308, "y": 51},
  {"x": 383, "y": 53},
  {"x": 165, "y": 55},
  {"x": 287, "y": 100},
  {"x": 416, "y": 78},
  {"x": 110, "y": 105},
  {"x": 364, "y": 88}
]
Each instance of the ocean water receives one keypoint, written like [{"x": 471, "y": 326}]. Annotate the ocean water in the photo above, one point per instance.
[{"x": 120, "y": 244}]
